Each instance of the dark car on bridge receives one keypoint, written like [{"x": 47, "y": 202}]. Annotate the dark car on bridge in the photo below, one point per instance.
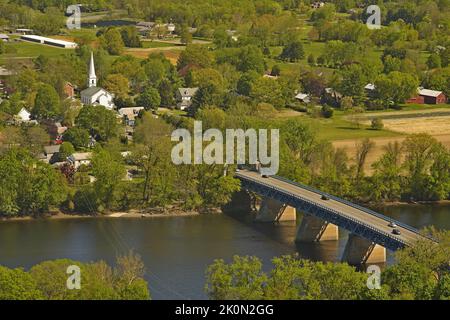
[{"x": 396, "y": 231}]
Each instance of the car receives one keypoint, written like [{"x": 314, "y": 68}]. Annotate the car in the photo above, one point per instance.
[
  {"x": 264, "y": 176},
  {"x": 392, "y": 224},
  {"x": 324, "y": 197},
  {"x": 396, "y": 231}
]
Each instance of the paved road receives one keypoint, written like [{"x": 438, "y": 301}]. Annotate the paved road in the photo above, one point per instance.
[{"x": 381, "y": 224}]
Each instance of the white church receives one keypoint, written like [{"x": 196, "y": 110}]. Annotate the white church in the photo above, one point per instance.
[{"x": 94, "y": 95}]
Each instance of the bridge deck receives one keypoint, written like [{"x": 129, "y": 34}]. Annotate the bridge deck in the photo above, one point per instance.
[{"x": 379, "y": 222}]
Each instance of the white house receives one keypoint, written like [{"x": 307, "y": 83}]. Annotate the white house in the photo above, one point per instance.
[
  {"x": 94, "y": 95},
  {"x": 184, "y": 97},
  {"x": 80, "y": 158},
  {"x": 303, "y": 97},
  {"x": 23, "y": 115}
]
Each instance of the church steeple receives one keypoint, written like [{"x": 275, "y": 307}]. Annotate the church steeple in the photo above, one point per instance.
[{"x": 92, "y": 81}]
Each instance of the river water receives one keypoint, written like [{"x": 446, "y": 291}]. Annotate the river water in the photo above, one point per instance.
[{"x": 177, "y": 250}]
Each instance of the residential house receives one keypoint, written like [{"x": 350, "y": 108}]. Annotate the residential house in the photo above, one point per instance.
[
  {"x": 94, "y": 95},
  {"x": 303, "y": 97},
  {"x": 55, "y": 130},
  {"x": 80, "y": 158},
  {"x": 129, "y": 115},
  {"x": 184, "y": 97},
  {"x": 23, "y": 115},
  {"x": 51, "y": 153}
]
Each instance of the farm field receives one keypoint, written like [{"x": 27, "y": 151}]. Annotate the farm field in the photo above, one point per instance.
[
  {"x": 377, "y": 151},
  {"x": 434, "y": 121}
]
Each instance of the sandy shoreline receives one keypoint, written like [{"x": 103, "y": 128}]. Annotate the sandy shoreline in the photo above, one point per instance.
[{"x": 132, "y": 214}]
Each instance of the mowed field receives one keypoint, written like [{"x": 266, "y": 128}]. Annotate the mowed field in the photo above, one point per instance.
[{"x": 171, "y": 53}]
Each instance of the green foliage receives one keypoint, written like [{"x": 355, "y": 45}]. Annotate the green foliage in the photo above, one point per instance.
[
  {"x": 293, "y": 52},
  {"x": 130, "y": 37},
  {"x": 47, "y": 103},
  {"x": 28, "y": 186},
  {"x": 327, "y": 111},
  {"x": 149, "y": 99},
  {"x": 78, "y": 137},
  {"x": 377, "y": 124},
  {"x": 16, "y": 284},
  {"x": 108, "y": 170},
  {"x": 65, "y": 151},
  {"x": 48, "y": 281},
  {"x": 101, "y": 122},
  {"x": 112, "y": 41},
  {"x": 396, "y": 87}
]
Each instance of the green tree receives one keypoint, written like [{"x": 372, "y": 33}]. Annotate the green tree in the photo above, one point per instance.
[
  {"x": 396, "y": 87},
  {"x": 241, "y": 280},
  {"x": 130, "y": 37},
  {"x": 434, "y": 61},
  {"x": 32, "y": 186},
  {"x": 268, "y": 91},
  {"x": 65, "y": 151},
  {"x": 112, "y": 41},
  {"x": 293, "y": 52},
  {"x": 47, "y": 103},
  {"x": 101, "y": 122},
  {"x": 78, "y": 137},
  {"x": 149, "y": 99},
  {"x": 16, "y": 284},
  {"x": 118, "y": 85},
  {"x": 353, "y": 81},
  {"x": 108, "y": 170}
]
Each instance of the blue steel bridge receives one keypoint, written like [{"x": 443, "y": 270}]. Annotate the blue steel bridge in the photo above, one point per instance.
[{"x": 370, "y": 232}]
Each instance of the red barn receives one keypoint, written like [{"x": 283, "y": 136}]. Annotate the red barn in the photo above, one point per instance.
[{"x": 427, "y": 96}]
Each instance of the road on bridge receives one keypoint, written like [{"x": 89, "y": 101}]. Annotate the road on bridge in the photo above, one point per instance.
[{"x": 379, "y": 223}]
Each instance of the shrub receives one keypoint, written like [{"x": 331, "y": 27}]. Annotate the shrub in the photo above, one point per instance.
[
  {"x": 327, "y": 112},
  {"x": 377, "y": 124}
]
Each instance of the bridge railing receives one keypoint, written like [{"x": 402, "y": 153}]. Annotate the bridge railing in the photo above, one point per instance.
[
  {"x": 388, "y": 235},
  {"x": 351, "y": 204}
]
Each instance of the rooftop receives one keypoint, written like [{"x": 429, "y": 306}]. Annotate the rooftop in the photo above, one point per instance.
[
  {"x": 187, "y": 92},
  {"x": 429, "y": 93}
]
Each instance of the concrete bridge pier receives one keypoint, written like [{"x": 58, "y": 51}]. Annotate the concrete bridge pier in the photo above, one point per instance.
[
  {"x": 272, "y": 210},
  {"x": 315, "y": 229},
  {"x": 359, "y": 251}
]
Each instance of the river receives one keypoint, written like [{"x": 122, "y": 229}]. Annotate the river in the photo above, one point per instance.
[{"x": 177, "y": 250}]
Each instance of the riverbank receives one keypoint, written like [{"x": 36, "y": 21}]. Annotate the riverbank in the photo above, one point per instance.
[{"x": 133, "y": 213}]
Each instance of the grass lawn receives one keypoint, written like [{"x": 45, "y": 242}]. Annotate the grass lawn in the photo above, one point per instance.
[
  {"x": 338, "y": 128},
  {"x": 32, "y": 50}
]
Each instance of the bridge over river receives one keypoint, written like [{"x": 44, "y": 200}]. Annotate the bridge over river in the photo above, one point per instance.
[{"x": 370, "y": 233}]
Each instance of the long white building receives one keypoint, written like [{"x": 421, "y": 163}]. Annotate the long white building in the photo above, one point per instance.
[{"x": 49, "y": 41}]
